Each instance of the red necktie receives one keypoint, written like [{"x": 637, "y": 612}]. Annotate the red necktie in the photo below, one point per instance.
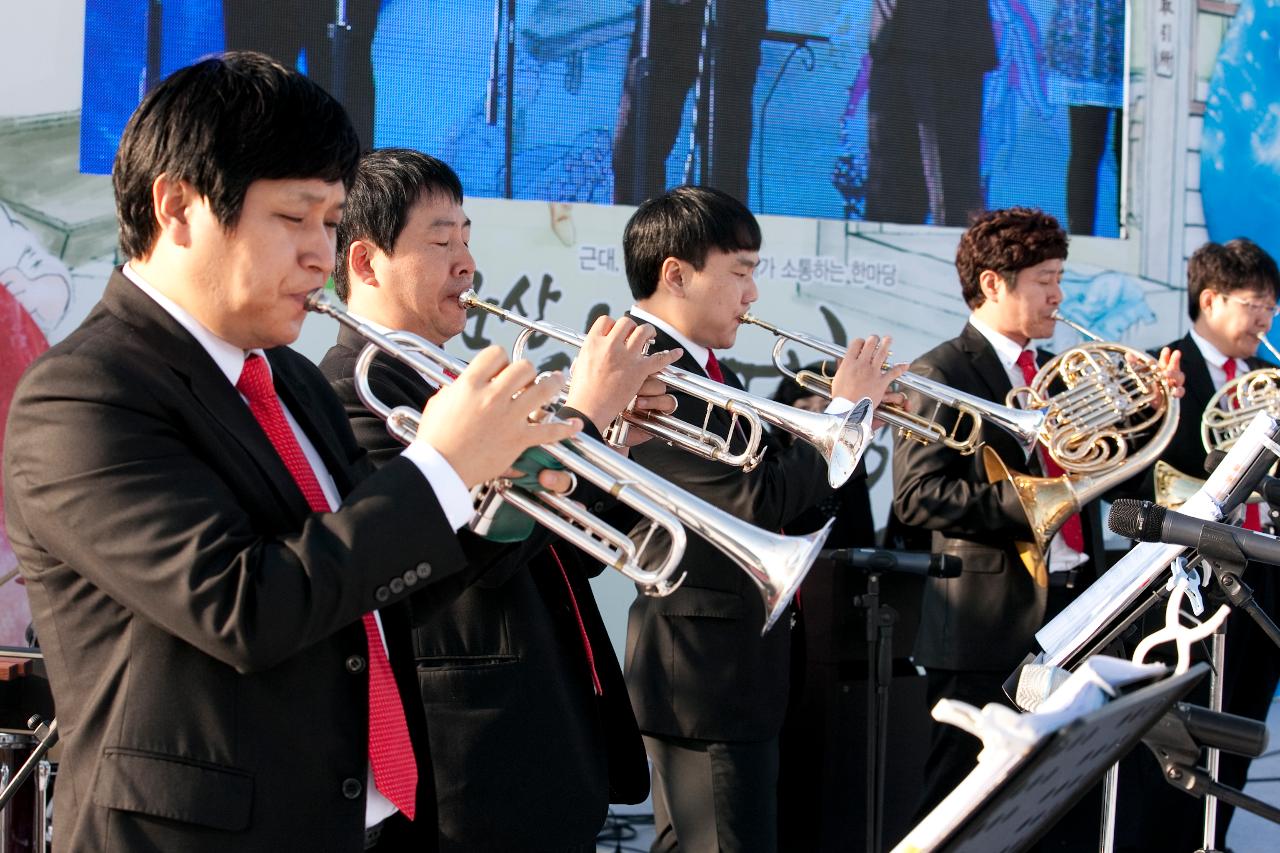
[
  {"x": 713, "y": 367},
  {"x": 1252, "y": 513},
  {"x": 1072, "y": 532},
  {"x": 395, "y": 771}
]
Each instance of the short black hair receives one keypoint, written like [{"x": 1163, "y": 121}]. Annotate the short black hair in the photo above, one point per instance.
[
  {"x": 1238, "y": 264},
  {"x": 389, "y": 182},
  {"x": 220, "y": 125},
  {"x": 684, "y": 223},
  {"x": 1006, "y": 241}
]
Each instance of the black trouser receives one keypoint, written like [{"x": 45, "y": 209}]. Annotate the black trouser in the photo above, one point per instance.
[
  {"x": 1088, "y": 145},
  {"x": 711, "y": 796},
  {"x": 924, "y": 128},
  {"x": 650, "y": 113}
]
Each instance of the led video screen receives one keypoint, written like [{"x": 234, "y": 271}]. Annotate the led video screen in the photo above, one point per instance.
[{"x": 900, "y": 111}]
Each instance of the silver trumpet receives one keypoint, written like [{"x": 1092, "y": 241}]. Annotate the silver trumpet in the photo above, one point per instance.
[
  {"x": 1023, "y": 424},
  {"x": 840, "y": 439},
  {"x": 776, "y": 564}
]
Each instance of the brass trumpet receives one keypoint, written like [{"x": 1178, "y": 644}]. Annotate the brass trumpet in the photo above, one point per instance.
[
  {"x": 1023, "y": 425},
  {"x": 776, "y": 564},
  {"x": 839, "y": 438},
  {"x": 1113, "y": 393}
]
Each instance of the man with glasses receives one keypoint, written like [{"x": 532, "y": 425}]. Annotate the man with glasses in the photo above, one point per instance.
[{"x": 1231, "y": 299}]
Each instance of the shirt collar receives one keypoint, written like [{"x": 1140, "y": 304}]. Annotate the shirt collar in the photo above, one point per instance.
[
  {"x": 1007, "y": 349},
  {"x": 698, "y": 352},
  {"x": 227, "y": 356},
  {"x": 1211, "y": 354}
]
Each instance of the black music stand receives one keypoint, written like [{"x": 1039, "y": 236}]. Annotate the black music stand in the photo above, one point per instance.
[{"x": 1063, "y": 767}]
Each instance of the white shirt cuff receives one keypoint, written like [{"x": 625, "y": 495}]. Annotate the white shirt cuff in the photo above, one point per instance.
[
  {"x": 838, "y": 406},
  {"x": 453, "y": 496}
]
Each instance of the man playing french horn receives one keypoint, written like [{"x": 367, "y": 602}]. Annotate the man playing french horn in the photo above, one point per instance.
[
  {"x": 1231, "y": 300},
  {"x": 975, "y": 629}
]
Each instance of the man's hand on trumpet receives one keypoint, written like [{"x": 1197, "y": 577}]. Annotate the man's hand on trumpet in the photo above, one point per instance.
[
  {"x": 612, "y": 370},
  {"x": 862, "y": 373},
  {"x": 480, "y": 422}
]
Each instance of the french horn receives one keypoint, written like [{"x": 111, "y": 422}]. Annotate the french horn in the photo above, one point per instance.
[
  {"x": 1225, "y": 418},
  {"x": 1111, "y": 397}
]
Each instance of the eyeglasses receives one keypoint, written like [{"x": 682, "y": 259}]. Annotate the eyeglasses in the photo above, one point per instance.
[{"x": 1271, "y": 310}]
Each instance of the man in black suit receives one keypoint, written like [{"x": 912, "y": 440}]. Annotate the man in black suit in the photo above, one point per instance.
[
  {"x": 975, "y": 629},
  {"x": 709, "y": 691},
  {"x": 532, "y": 735},
  {"x": 1231, "y": 299},
  {"x": 199, "y": 532}
]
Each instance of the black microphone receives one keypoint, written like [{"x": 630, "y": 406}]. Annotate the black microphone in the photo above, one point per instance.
[
  {"x": 909, "y": 562},
  {"x": 1267, "y": 486},
  {"x": 1149, "y": 522}
]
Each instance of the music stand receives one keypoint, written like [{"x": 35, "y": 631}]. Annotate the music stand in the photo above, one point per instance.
[{"x": 1033, "y": 794}]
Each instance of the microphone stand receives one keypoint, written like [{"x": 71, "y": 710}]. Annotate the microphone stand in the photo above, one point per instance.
[
  {"x": 155, "y": 39},
  {"x": 491, "y": 96},
  {"x": 339, "y": 49},
  {"x": 880, "y": 620}
]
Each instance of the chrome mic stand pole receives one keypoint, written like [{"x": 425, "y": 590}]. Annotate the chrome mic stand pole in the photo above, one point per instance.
[
  {"x": 491, "y": 95},
  {"x": 1218, "y": 649},
  {"x": 641, "y": 100},
  {"x": 339, "y": 46},
  {"x": 155, "y": 40}
]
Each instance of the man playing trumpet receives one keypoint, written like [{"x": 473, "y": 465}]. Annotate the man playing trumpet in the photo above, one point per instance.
[
  {"x": 203, "y": 541},
  {"x": 976, "y": 628},
  {"x": 530, "y": 729},
  {"x": 708, "y": 690}
]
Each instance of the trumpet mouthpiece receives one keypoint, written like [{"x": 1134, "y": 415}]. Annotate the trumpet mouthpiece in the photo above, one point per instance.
[{"x": 316, "y": 300}]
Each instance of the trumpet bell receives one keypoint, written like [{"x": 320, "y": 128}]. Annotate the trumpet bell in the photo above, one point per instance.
[{"x": 792, "y": 565}]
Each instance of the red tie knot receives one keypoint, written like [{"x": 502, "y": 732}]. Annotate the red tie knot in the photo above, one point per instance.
[{"x": 1027, "y": 361}]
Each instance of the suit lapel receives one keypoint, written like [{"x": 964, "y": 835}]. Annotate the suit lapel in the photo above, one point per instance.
[
  {"x": 992, "y": 375},
  {"x": 986, "y": 364},
  {"x": 208, "y": 385}
]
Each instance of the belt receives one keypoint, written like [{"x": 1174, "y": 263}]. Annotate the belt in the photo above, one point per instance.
[{"x": 372, "y": 834}]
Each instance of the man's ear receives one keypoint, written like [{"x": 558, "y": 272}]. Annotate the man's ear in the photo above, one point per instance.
[
  {"x": 360, "y": 263},
  {"x": 1205, "y": 299},
  {"x": 172, "y": 202},
  {"x": 992, "y": 284},
  {"x": 673, "y": 276}
]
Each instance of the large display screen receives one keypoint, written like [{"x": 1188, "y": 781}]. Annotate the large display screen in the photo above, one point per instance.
[{"x": 900, "y": 111}]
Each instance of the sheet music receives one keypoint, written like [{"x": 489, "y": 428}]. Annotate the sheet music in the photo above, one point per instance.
[{"x": 1100, "y": 604}]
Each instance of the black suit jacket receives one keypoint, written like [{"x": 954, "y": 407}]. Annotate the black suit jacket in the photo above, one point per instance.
[
  {"x": 696, "y": 664},
  {"x": 200, "y": 624},
  {"x": 985, "y": 619},
  {"x": 525, "y": 755}
]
